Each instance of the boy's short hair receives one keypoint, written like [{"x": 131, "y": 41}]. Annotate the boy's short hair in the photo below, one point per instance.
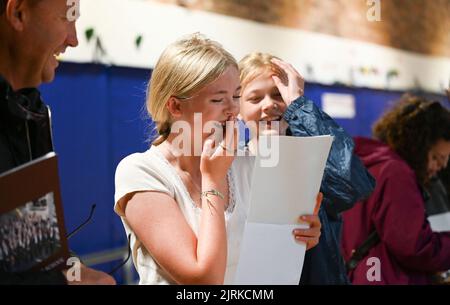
[{"x": 253, "y": 64}]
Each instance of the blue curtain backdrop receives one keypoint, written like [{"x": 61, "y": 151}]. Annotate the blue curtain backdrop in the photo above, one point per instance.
[{"x": 99, "y": 118}]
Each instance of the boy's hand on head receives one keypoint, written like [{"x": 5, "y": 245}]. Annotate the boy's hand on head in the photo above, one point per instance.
[{"x": 291, "y": 88}]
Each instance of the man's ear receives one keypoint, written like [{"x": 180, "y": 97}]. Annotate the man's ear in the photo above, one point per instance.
[
  {"x": 174, "y": 107},
  {"x": 15, "y": 13}
]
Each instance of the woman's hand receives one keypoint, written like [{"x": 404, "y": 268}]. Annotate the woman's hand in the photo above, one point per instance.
[
  {"x": 217, "y": 158},
  {"x": 89, "y": 276},
  {"x": 310, "y": 236},
  {"x": 291, "y": 88}
]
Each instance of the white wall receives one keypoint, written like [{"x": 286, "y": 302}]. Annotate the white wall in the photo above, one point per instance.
[{"x": 119, "y": 22}]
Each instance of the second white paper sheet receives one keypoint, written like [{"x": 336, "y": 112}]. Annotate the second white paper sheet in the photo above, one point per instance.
[
  {"x": 279, "y": 195},
  {"x": 440, "y": 222}
]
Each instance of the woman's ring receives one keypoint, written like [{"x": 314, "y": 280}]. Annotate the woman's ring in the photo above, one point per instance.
[{"x": 226, "y": 148}]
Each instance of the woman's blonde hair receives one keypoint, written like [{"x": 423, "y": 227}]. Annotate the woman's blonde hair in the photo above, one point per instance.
[
  {"x": 184, "y": 68},
  {"x": 256, "y": 63}
]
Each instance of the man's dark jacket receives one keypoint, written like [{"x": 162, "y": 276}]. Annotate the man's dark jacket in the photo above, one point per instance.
[{"x": 25, "y": 134}]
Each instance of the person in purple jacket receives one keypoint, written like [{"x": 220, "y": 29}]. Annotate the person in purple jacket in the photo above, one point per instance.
[{"x": 388, "y": 240}]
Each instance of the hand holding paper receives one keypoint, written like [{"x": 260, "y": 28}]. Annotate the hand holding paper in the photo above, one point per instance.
[
  {"x": 310, "y": 236},
  {"x": 280, "y": 194}
]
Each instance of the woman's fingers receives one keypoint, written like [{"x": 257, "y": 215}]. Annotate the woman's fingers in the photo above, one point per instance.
[
  {"x": 311, "y": 235},
  {"x": 295, "y": 84},
  {"x": 313, "y": 232},
  {"x": 319, "y": 199},
  {"x": 278, "y": 82},
  {"x": 208, "y": 148},
  {"x": 288, "y": 68},
  {"x": 312, "y": 220},
  {"x": 231, "y": 135},
  {"x": 294, "y": 77},
  {"x": 229, "y": 144},
  {"x": 309, "y": 241},
  {"x": 282, "y": 64},
  {"x": 216, "y": 159}
]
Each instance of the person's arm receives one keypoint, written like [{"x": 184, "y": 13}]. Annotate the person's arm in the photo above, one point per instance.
[
  {"x": 345, "y": 180},
  {"x": 164, "y": 231},
  {"x": 402, "y": 225},
  {"x": 162, "y": 228}
]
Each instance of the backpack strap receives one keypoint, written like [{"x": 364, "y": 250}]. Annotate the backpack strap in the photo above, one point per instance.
[{"x": 361, "y": 252}]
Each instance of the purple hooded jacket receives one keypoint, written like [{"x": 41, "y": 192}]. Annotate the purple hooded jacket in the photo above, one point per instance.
[{"x": 409, "y": 252}]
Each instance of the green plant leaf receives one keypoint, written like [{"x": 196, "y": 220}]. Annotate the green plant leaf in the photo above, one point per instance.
[
  {"x": 89, "y": 33},
  {"x": 138, "y": 41},
  {"x": 392, "y": 73}
]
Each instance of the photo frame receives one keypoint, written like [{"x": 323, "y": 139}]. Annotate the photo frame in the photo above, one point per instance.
[{"x": 32, "y": 228}]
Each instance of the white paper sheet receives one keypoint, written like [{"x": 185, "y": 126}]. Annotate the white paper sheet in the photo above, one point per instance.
[
  {"x": 264, "y": 245},
  {"x": 440, "y": 222},
  {"x": 280, "y": 194}
]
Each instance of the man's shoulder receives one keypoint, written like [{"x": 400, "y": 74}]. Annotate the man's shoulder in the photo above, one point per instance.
[{"x": 7, "y": 160}]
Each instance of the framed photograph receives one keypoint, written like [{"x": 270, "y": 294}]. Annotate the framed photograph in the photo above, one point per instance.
[{"x": 32, "y": 229}]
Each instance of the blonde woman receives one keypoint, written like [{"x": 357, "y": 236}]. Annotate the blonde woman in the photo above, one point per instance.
[
  {"x": 185, "y": 207},
  {"x": 273, "y": 91}
]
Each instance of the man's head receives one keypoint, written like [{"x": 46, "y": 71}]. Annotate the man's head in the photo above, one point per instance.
[{"x": 34, "y": 32}]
